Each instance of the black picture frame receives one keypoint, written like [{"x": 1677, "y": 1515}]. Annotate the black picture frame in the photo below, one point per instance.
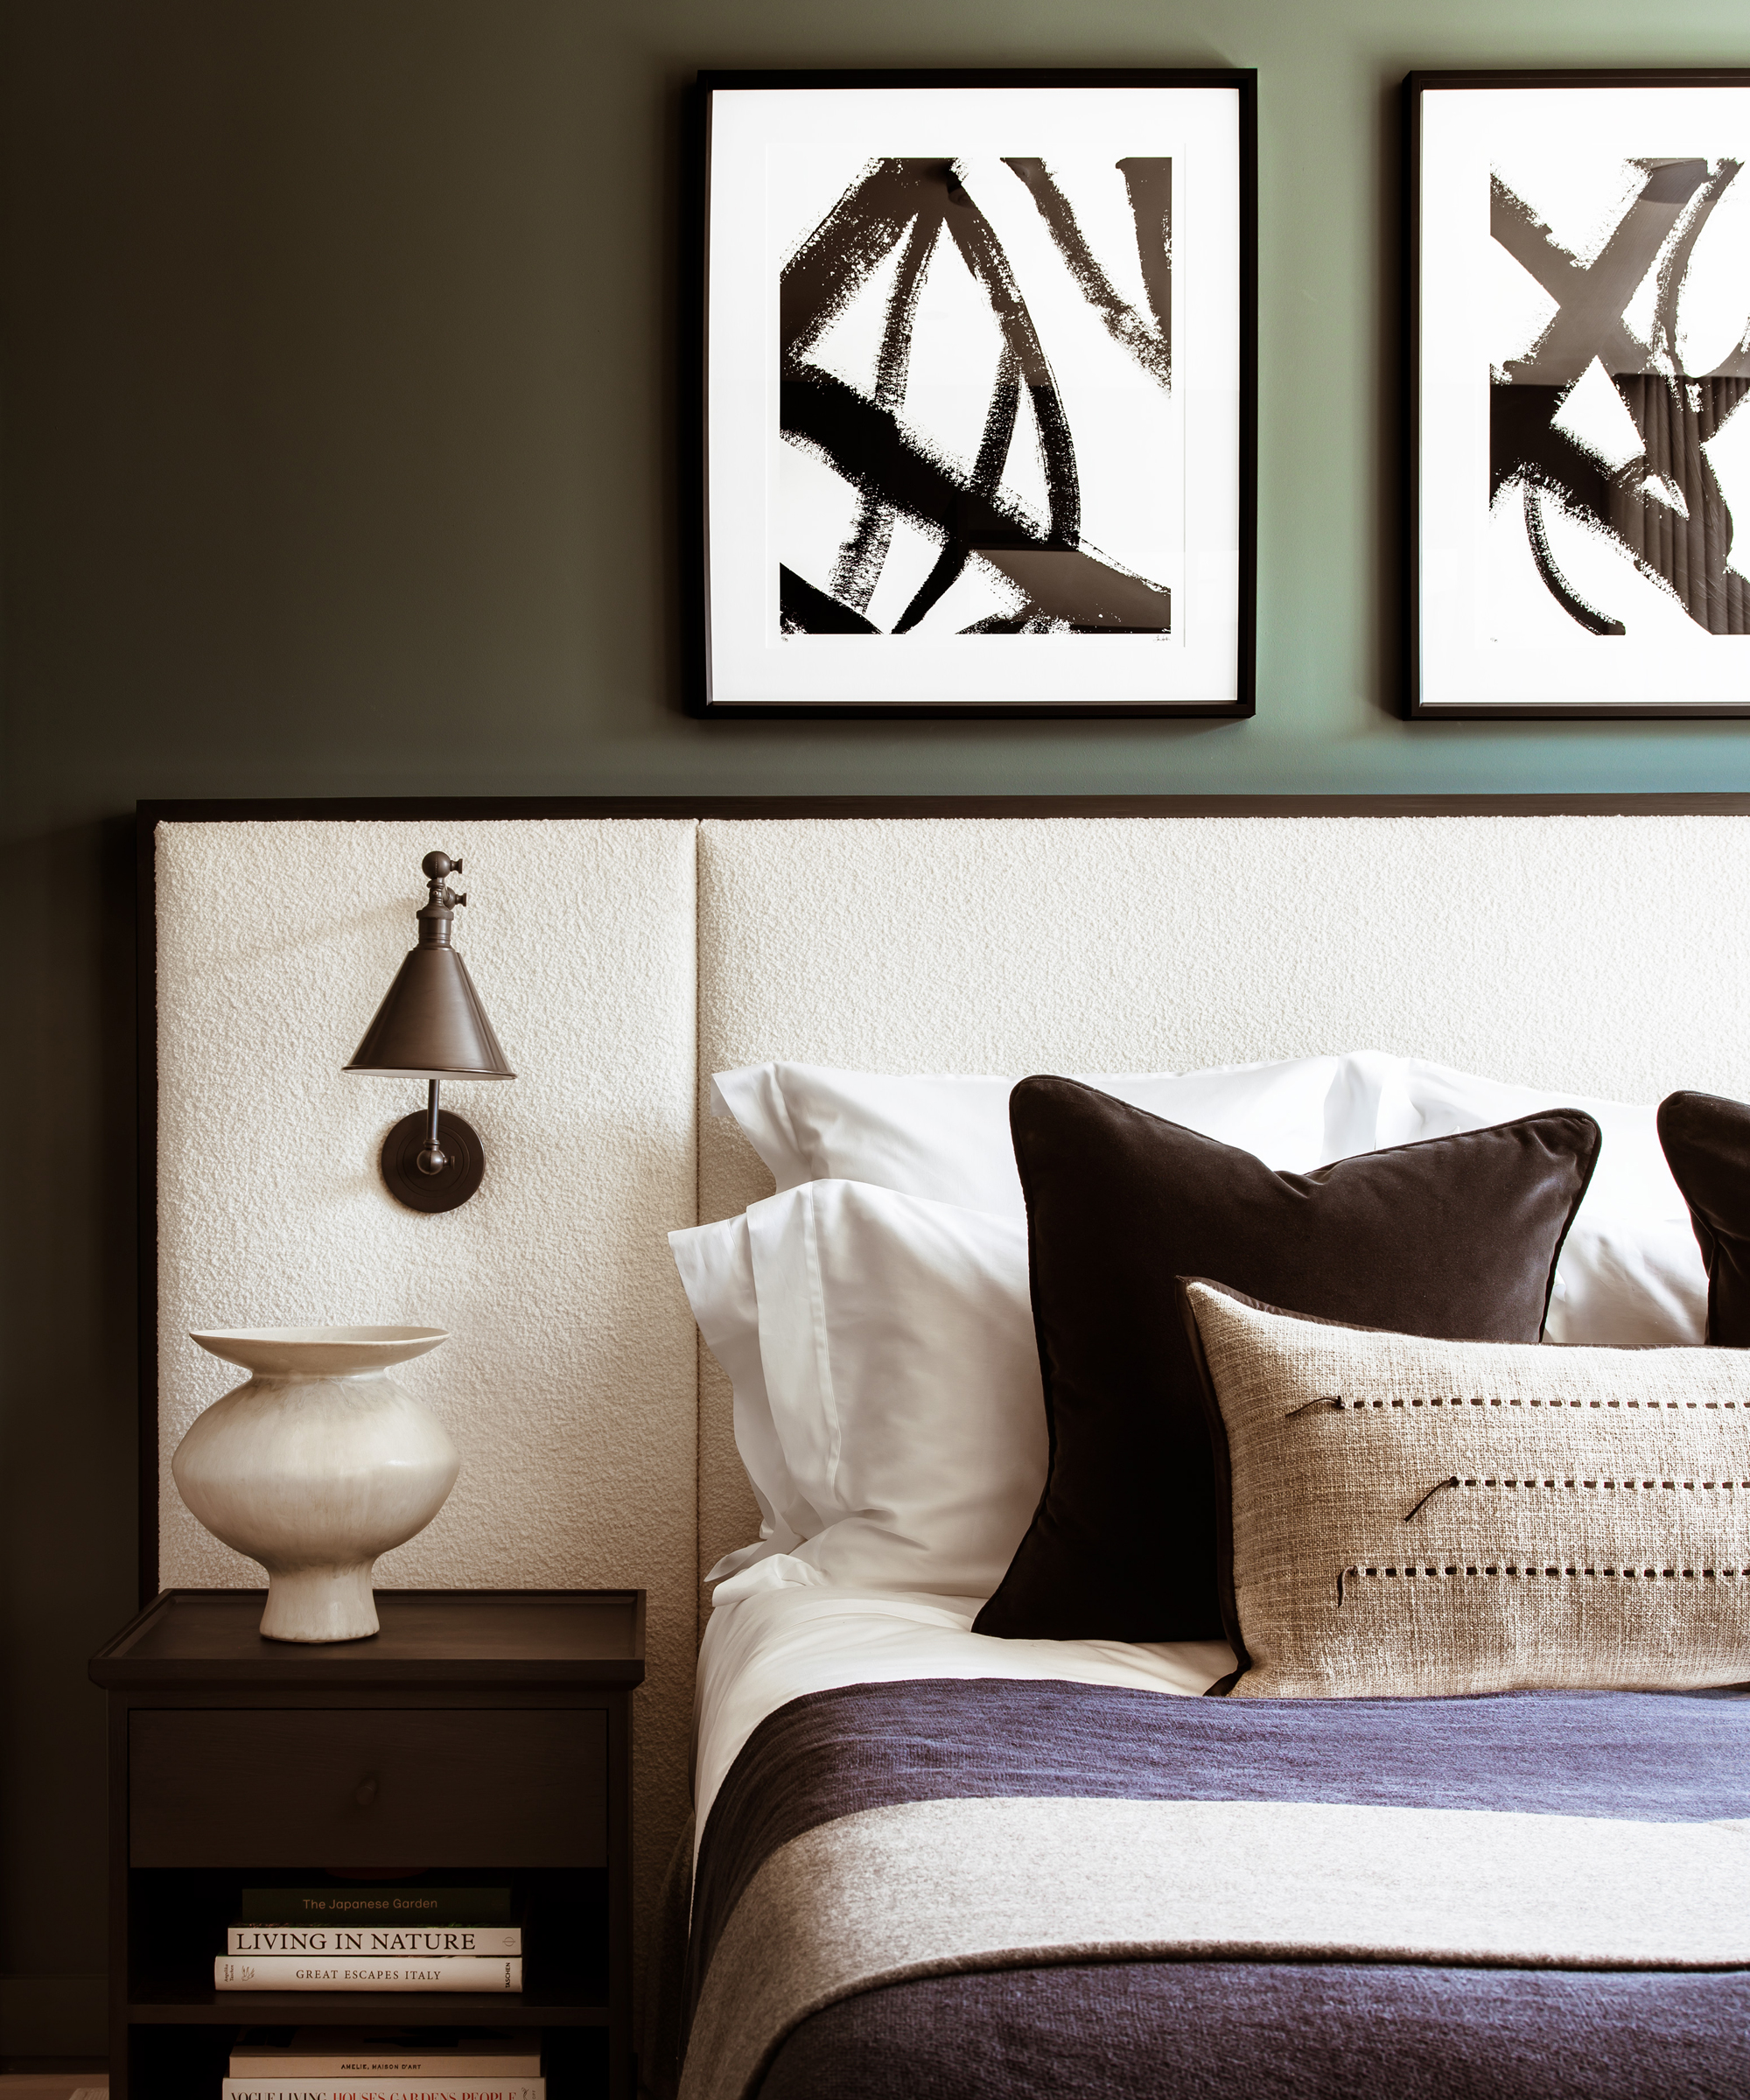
[
  {"x": 706, "y": 691},
  {"x": 1525, "y": 458}
]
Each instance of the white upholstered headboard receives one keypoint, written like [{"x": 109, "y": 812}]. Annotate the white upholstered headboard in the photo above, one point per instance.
[{"x": 626, "y": 956}]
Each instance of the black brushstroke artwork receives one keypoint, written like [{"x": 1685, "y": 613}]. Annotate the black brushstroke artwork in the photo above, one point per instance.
[
  {"x": 1058, "y": 582},
  {"x": 1684, "y": 545}
]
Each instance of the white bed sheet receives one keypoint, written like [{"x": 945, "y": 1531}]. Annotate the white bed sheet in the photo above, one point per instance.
[{"x": 776, "y": 1645}]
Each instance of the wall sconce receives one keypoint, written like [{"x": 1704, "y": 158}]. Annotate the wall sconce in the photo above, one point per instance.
[{"x": 432, "y": 1026}]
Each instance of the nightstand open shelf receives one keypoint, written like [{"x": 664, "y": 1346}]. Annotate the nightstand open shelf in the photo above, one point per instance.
[{"x": 483, "y": 1735}]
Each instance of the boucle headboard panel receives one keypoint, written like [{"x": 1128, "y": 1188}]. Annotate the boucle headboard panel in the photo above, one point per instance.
[
  {"x": 1604, "y": 954},
  {"x": 568, "y": 1382}
]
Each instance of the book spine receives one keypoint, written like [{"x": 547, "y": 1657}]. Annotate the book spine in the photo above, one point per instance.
[
  {"x": 392, "y": 1942},
  {"x": 356, "y": 2088},
  {"x": 411, "y": 2068},
  {"x": 353, "y": 1972},
  {"x": 408, "y": 1904}
]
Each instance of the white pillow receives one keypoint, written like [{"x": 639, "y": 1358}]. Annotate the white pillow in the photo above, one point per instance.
[
  {"x": 900, "y": 1382},
  {"x": 948, "y": 1138},
  {"x": 715, "y": 1263},
  {"x": 1630, "y": 1271}
]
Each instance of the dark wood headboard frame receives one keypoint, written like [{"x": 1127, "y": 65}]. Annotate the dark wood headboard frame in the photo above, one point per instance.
[{"x": 472, "y": 809}]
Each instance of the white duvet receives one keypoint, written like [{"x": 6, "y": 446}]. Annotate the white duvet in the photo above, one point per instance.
[{"x": 780, "y": 1642}]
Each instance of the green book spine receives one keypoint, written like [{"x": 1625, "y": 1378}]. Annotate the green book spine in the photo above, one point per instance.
[{"x": 407, "y": 1906}]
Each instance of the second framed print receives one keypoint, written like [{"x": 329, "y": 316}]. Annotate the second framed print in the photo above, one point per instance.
[
  {"x": 979, "y": 393},
  {"x": 1580, "y": 333}
]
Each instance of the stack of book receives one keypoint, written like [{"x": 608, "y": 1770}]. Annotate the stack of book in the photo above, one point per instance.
[
  {"x": 382, "y": 2063},
  {"x": 372, "y": 1939}
]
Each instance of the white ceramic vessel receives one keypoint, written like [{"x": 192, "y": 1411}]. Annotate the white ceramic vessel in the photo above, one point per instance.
[{"x": 316, "y": 1465}]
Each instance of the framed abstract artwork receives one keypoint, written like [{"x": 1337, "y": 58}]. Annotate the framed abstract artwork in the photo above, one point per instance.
[
  {"x": 1580, "y": 359},
  {"x": 978, "y": 393}
]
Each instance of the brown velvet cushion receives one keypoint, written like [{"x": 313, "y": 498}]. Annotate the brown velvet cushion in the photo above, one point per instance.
[
  {"x": 1707, "y": 1147},
  {"x": 1455, "y": 1237}
]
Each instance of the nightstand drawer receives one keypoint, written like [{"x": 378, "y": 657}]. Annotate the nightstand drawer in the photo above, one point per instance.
[{"x": 340, "y": 1786}]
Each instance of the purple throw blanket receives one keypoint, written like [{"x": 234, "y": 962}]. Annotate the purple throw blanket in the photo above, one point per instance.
[{"x": 1374, "y": 2029}]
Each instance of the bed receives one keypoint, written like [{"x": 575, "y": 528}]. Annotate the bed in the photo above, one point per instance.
[
  {"x": 1321, "y": 2012},
  {"x": 1547, "y": 950},
  {"x": 944, "y": 1844}
]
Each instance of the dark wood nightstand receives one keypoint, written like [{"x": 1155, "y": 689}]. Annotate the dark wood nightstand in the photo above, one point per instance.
[{"x": 486, "y": 1733}]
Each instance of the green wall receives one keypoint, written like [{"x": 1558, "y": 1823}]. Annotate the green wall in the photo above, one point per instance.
[{"x": 339, "y": 459}]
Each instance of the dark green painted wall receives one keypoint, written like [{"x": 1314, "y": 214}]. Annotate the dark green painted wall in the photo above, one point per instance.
[{"x": 338, "y": 458}]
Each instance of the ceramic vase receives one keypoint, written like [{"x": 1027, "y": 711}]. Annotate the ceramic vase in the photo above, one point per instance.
[{"x": 316, "y": 1465}]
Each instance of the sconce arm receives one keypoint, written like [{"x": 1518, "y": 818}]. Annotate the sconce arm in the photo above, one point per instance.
[{"x": 432, "y": 1159}]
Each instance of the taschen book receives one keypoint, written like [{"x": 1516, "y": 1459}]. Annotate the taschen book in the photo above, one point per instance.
[
  {"x": 399, "y": 1941},
  {"x": 409, "y": 1904},
  {"x": 383, "y": 2063},
  {"x": 362, "y": 2086},
  {"x": 367, "y": 1972}
]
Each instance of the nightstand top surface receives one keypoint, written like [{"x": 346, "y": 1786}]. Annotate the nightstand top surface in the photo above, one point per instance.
[{"x": 454, "y": 1636}]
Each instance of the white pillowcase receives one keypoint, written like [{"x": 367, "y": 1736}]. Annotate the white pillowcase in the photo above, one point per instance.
[
  {"x": 715, "y": 1263},
  {"x": 1630, "y": 1271},
  {"x": 948, "y": 1138},
  {"x": 888, "y": 1403}
]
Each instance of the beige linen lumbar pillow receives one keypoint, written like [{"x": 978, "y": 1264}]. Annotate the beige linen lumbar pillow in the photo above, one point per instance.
[{"x": 1407, "y": 1516}]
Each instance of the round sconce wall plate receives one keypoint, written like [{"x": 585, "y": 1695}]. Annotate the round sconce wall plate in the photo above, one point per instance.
[{"x": 446, "y": 1191}]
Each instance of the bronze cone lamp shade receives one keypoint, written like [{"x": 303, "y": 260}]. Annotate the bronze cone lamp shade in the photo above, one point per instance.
[{"x": 431, "y": 1025}]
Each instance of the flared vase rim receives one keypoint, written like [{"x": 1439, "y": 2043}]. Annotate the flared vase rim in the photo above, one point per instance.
[{"x": 284, "y": 1350}]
